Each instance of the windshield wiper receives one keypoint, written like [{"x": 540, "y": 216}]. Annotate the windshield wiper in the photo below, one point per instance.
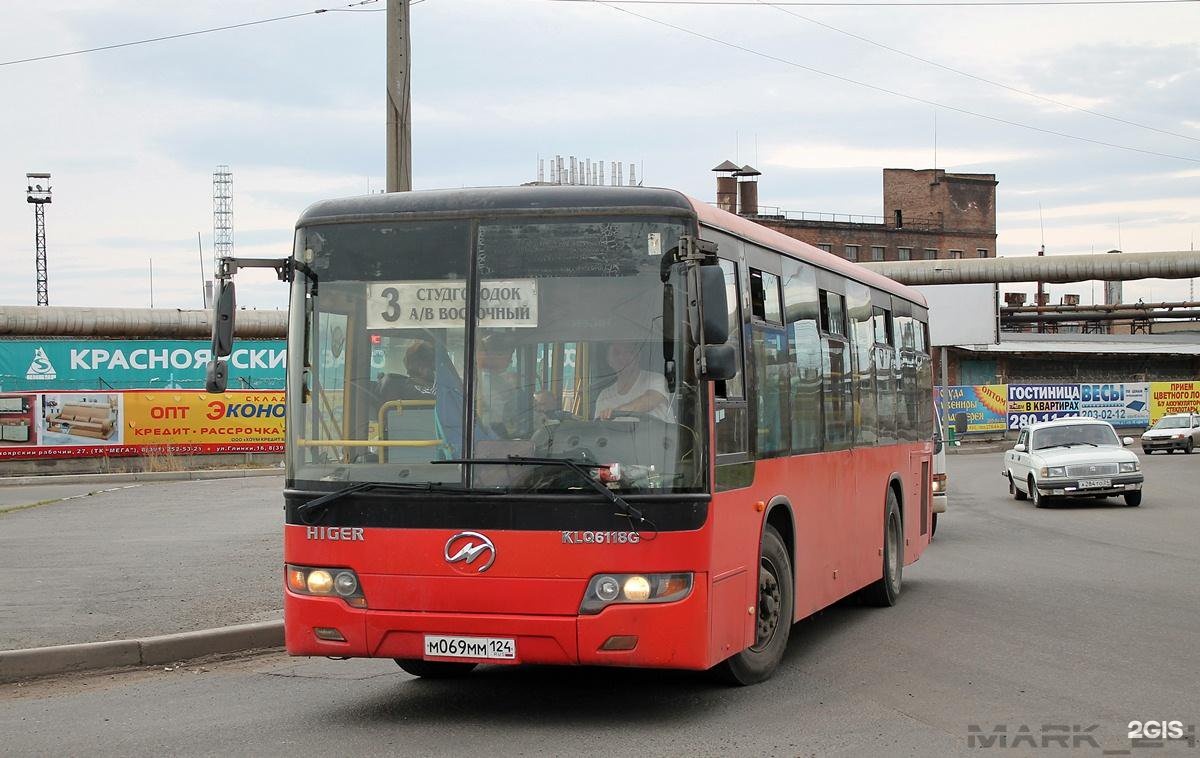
[
  {"x": 579, "y": 467},
  {"x": 316, "y": 508}
]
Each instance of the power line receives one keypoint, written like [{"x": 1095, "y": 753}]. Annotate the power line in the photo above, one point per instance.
[
  {"x": 884, "y": 90},
  {"x": 976, "y": 77},
  {"x": 351, "y": 8},
  {"x": 898, "y": 3}
]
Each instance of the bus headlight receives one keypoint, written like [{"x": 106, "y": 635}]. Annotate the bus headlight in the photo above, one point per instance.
[
  {"x": 609, "y": 589},
  {"x": 322, "y": 582}
]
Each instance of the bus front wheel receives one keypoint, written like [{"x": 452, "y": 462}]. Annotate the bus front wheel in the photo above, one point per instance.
[
  {"x": 434, "y": 669},
  {"x": 774, "y": 618}
]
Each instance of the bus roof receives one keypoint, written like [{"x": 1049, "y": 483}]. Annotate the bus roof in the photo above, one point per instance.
[
  {"x": 749, "y": 230},
  {"x": 554, "y": 199}
]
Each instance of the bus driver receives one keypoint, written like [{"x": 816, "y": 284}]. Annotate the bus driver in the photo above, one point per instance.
[{"x": 635, "y": 390}]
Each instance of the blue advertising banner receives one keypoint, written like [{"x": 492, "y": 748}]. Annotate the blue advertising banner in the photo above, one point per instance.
[
  {"x": 1031, "y": 403},
  {"x": 1121, "y": 404},
  {"x": 982, "y": 405},
  {"x": 46, "y": 365}
]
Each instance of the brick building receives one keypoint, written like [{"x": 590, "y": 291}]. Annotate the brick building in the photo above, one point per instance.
[{"x": 928, "y": 214}]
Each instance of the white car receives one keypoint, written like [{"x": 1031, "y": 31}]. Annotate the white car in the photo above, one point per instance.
[
  {"x": 1178, "y": 431},
  {"x": 1072, "y": 457}
]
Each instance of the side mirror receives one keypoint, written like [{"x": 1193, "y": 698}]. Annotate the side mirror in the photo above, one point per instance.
[
  {"x": 217, "y": 376},
  {"x": 716, "y": 308},
  {"x": 937, "y": 442},
  {"x": 1019, "y": 447},
  {"x": 1127, "y": 441},
  {"x": 960, "y": 422},
  {"x": 720, "y": 362},
  {"x": 223, "y": 310}
]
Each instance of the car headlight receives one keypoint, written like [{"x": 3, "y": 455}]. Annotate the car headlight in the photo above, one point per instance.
[
  {"x": 1054, "y": 471},
  {"x": 322, "y": 582},
  {"x": 608, "y": 589},
  {"x": 1130, "y": 467},
  {"x": 1178, "y": 436}
]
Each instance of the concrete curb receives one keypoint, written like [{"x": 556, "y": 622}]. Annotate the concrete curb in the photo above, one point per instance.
[
  {"x": 139, "y": 476},
  {"x": 35, "y": 662}
]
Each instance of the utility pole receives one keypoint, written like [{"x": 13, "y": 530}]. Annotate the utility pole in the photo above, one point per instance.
[
  {"x": 39, "y": 197},
  {"x": 399, "y": 112}
]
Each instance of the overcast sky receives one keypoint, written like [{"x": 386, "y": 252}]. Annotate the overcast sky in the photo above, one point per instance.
[{"x": 295, "y": 108}]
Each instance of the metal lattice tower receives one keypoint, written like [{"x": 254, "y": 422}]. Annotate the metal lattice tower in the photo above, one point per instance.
[
  {"x": 222, "y": 213},
  {"x": 38, "y": 193}
]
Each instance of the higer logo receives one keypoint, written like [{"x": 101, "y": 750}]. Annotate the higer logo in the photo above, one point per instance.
[{"x": 468, "y": 547}]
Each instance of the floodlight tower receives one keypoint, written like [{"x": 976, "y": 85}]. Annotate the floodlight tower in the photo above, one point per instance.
[
  {"x": 38, "y": 193},
  {"x": 222, "y": 213}
]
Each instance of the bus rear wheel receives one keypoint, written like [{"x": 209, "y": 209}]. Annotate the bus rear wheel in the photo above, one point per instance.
[
  {"x": 434, "y": 669},
  {"x": 886, "y": 591},
  {"x": 773, "y": 620}
]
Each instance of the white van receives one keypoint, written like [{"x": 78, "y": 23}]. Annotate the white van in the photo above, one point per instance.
[{"x": 940, "y": 481}]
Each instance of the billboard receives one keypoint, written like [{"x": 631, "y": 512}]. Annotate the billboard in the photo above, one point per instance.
[
  {"x": 1173, "y": 397},
  {"x": 1031, "y": 403},
  {"x": 46, "y": 365},
  {"x": 963, "y": 314},
  {"x": 1120, "y": 404},
  {"x": 985, "y": 406},
  {"x": 117, "y": 424}
]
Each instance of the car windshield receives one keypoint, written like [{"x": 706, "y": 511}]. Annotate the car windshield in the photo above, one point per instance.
[
  {"x": 1070, "y": 435},
  {"x": 1173, "y": 422},
  {"x": 577, "y": 351}
]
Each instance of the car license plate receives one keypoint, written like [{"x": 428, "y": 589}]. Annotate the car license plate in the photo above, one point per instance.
[
  {"x": 491, "y": 648},
  {"x": 1087, "y": 484}
]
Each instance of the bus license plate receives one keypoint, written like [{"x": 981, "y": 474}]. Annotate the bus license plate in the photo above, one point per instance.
[
  {"x": 1087, "y": 484},
  {"x": 491, "y": 648}
]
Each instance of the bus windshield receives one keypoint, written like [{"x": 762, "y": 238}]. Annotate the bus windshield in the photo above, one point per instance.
[{"x": 577, "y": 349}]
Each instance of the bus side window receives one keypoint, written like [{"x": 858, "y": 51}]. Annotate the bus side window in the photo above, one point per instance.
[
  {"x": 801, "y": 313},
  {"x": 731, "y": 394},
  {"x": 769, "y": 349}
]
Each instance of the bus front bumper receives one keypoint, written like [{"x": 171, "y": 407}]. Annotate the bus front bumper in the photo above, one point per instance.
[{"x": 663, "y": 635}]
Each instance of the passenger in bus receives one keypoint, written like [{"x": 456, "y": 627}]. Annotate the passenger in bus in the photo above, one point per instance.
[
  {"x": 419, "y": 382},
  {"x": 635, "y": 390},
  {"x": 497, "y": 397}
]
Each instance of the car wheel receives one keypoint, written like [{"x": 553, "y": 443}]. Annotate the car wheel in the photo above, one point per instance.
[
  {"x": 1133, "y": 498},
  {"x": 933, "y": 527},
  {"x": 1147, "y": 451},
  {"x": 434, "y": 669},
  {"x": 1013, "y": 489},
  {"x": 1188, "y": 447},
  {"x": 774, "y": 620},
  {"x": 1039, "y": 501}
]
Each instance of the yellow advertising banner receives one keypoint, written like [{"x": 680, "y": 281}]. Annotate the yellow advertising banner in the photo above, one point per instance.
[
  {"x": 233, "y": 421},
  {"x": 1173, "y": 397}
]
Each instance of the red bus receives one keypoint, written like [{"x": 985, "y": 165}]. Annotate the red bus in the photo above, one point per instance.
[{"x": 588, "y": 425}]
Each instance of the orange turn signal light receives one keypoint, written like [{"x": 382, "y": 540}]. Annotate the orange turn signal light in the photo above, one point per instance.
[{"x": 296, "y": 580}]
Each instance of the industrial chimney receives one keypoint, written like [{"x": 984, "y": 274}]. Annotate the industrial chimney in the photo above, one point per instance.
[
  {"x": 748, "y": 189},
  {"x": 727, "y": 186}
]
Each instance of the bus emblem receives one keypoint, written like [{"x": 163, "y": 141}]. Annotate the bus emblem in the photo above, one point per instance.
[{"x": 466, "y": 547}]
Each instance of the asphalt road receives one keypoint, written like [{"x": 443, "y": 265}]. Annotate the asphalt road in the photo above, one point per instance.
[
  {"x": 1084, "y": 616},
  {"x": 90, "y": 562}
]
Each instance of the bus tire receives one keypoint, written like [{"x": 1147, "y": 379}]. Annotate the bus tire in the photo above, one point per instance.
[
  {"x": 434, "y": 669},
  {"x": 884, "y": 592},
  {"x": 774, "y": 619}
]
